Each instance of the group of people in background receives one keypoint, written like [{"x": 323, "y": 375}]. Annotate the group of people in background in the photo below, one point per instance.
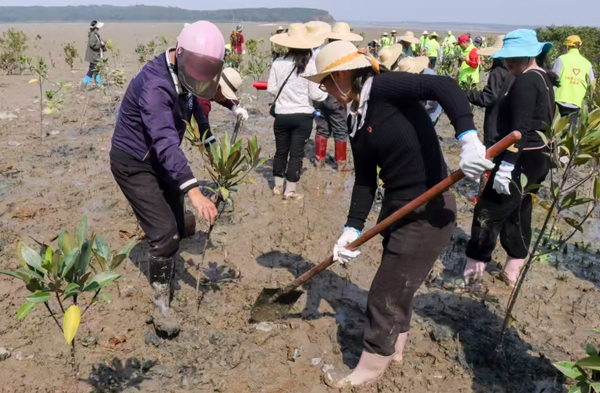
[{"x": 387, "y": 102}]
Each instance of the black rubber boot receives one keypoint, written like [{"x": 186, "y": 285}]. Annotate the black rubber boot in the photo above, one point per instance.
[{"x": 160, "y": 275}]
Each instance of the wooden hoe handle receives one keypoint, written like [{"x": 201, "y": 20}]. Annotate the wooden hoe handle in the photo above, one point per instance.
[{"x": 427, "y": 196}]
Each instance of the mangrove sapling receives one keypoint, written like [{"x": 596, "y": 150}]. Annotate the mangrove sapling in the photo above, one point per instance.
[
  {"x": 65, "y": 275},
  {"x": 71, "y": 53},
  {"x": 13, "y": 44},
  {"x": 39, "y": 69},
  {"x": 585, "y": 372},
  {"x": 228, "y": 166},
  {"x": 147, "y": 52},
  {"x": 574, "y": 177}
]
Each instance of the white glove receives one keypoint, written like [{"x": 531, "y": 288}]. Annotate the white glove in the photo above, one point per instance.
[
  {"x": 503, "y": 178},
  {"x": 472, "y": 157},
  {"x": 340, "y": 253},
  {"x": 237, "y": 111}
]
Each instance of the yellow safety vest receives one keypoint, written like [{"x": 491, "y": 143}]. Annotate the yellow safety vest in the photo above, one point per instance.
[
  {"x": 466, "y": 70},
  {"x": 450, "y": 39},
  {"x": 573, "y": 78},
  {"x": 386, "y": 42},
  {"x": 424, "y": 41},
  {"x": 432, "y": 49}
]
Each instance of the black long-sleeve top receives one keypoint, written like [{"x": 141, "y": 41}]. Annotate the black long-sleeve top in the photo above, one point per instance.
[
  {"x": 398, "y": 136},
  {"x": 527, "y": 106},
  {"x": 498, "y": 84}
]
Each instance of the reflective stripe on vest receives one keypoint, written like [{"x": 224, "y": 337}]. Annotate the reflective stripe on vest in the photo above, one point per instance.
[
  {"x": 573, "y": 78},
  {"x": 432, "y": 49},
  {"x": 466, "y": 70}
]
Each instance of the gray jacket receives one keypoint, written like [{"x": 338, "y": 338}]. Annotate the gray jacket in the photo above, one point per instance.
[{"x": 95, "y": 47}]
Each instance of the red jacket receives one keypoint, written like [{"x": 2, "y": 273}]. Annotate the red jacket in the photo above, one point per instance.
[{"x": 473, "y": 61}]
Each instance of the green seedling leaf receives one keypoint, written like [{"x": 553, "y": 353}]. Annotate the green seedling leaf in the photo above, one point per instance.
[
  {"x": 595, "y": 386},
  {"x": 30, "y": 274},
  {"x": 568, "y": 369},
  {"x": 591, "y": 350},
  {"x": 25, "y": 309},
  {"x": 39, "y": 297},
  {"x": 101, "y": 261},
  {"x": 102, "y": 248},
  {"x": 597, "y": 187},
  {"x": 13, "y": 274},
  {"x": 523, "y": 181},
  {"x": 581, "y": 201},
  {"x": 32, "y": 258},
  {"x": 82, "y": 231},
  {"x": 591, "y": 362},
  {"x": 100, "y": 280},
  {"x": 69, "y": 261},
  {"x": 66, "y": 242},
  {"x": 568, "y": 200},
  {"x": 574, "y": 223},
  {"x": 86, "y": 256},
  {"x": 582, "y": 159},
  {"x": 106, "y": 297},
  {"x": 577, "y": 389},
  {"x": 47, "y": 262},
  {"x": 543, "y": 136}
]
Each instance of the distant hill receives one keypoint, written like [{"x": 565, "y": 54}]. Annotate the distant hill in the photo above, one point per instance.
[{"x": 143, "y": 13}]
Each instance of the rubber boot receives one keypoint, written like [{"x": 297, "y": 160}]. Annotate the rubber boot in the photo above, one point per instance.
[
  {"x": 160, "y": 275},
  {"x": 320, "y": 150},
  {"x": 370, "y": 369},
  {"x": 400, "y": 344},
  {"x": 473, "y": 272},
  {"x": 341, "y": 149},
  {"x": 86, "y": 80},
  {"x": 290, "y": 191},
  {"x": 97, "y": 79},
  {"x": 278, "y": 189},
  {"x": 512, "y": 271}
]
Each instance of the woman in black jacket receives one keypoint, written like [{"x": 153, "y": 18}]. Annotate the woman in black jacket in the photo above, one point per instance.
[
  {"x": 389, "y": 128},
  {"x": 501, "y": 210}
]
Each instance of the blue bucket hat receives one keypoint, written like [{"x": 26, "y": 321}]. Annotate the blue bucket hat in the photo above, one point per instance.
[{"x": 522, "y": 43}]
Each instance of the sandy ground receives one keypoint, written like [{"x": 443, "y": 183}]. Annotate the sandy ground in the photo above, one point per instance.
[{"x": 47, "y": 185}]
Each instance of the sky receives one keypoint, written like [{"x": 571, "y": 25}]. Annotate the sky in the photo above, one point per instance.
[{"x": 514, "y": 12}]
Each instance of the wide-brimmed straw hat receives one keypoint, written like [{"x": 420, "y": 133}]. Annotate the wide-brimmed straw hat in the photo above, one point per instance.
[
  {"x": 297, "y": 37},
  {"x": 409, "y": 37},
  {"x": 521, "y": 43},
  {"x": 388, "y": 56},
  {"x": 425, "y": 32},
  {"x": 413, "y": 65},
  {"x": 338, "y": 56},
  {"x": 318, "y": 28},
  {"x": 342, "y": 31},
  {"x": 280, "y": 28},
  {"x": 96, "y": 25},
  {"x": 230, "y": 82},
  {"x": 434, "y": 34},
  {"x": 490, "y": 50}
]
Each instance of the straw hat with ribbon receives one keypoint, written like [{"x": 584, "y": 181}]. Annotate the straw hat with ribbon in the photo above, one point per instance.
[
  {"x": 409, "y": 37},
  {"x": 388, "y": 56},
  {"x": 342, "y": 31},
  {"x": 230, "y": 83},
  {"x": 318, "y": 28},
  {"x": 413, "y": 65},
  {"x": 490, "y": 50},
  {"x": 297, "y": 37},
  {"x": 341, "y": 56}
]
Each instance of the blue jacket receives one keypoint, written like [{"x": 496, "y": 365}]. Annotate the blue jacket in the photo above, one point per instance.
[{"x": 150, "y": 123}]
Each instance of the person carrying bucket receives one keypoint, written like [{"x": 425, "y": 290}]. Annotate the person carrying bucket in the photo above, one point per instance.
[
  {"x": 389, "y": 128},
  {"x": 94, "y": 52},
  {"x": 146, "y": 159}
]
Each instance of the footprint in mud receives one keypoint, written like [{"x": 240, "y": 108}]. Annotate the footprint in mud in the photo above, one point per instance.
[
  {"x": 476, "y": 328},
  {"x": 347, "y": 300}
]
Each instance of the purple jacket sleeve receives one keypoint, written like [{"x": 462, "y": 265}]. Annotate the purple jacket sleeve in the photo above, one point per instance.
[{"x": 156, "y": 108}]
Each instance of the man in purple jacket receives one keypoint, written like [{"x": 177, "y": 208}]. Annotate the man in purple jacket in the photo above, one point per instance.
[{"x": 146, "y": 159}]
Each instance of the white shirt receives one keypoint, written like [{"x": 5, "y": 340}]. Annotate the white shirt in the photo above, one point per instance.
[{"x": 298, "y": 93}]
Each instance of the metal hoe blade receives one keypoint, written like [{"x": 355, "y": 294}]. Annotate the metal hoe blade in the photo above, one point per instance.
[{"x": 266, "y": 309}]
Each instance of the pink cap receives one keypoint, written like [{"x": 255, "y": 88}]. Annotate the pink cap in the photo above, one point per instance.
[{"x": 203, "y": 38}]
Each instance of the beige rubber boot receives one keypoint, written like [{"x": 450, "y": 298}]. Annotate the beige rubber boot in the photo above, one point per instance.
[
  {"x": 400, "y": 344},
  {"x": 278, "y": 189},
  {"x": 290, "y": 191},
  {"x": 512, "y": 271},
  {"x": 370, "y": 369},
  {"x": 473, "y": 272}
]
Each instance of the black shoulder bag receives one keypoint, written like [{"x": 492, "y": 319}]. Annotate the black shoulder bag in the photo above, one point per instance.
[{"x": 272, "y": 110}]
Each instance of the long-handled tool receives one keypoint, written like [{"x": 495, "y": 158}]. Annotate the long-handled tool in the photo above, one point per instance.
[
  {"x": 273, "y": 303},
  {"x": 238, "y": 125}
]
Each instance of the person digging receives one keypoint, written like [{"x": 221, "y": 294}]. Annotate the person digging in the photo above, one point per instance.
[
  {"x": 146, "y": 159},
  {"x": 389, "y": 128}
]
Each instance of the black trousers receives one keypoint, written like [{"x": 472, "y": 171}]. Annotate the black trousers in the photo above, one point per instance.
[
  {"x": 507, "y": 215},
  {"x": 291, "y": 133},
  {"x": 157, "y": 204},
  {"x": 91, "y": 70},
  {"x": 433, "y": 61},
  {"x": 410, "y": 248},
  {"x": 333, "y": 119}
]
